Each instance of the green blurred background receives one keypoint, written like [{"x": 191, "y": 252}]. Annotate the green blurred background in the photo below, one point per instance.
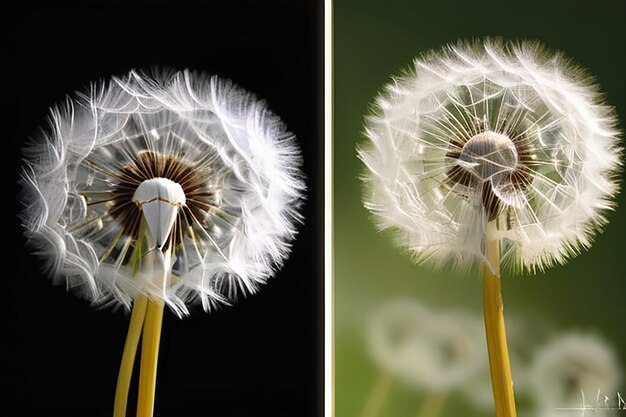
[{"x": 375, "y": 39}]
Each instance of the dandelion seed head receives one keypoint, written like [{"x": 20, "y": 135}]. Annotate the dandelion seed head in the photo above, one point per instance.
[
  {"x": 423, "y": 348},
  {"x": 571, "y": 365},
  {"x": 183, "y": 170},
  {"x": 498, "y": 132}
]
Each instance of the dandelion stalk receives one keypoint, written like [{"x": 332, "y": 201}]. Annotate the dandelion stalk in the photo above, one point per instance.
[
  {"x": 499, "y": 364},
  {"x": 128, "y": 357},
  {"x": 433, "y": 403},
  {"x": 149, "y": 358},
  {"x": 377, "y": 396}
]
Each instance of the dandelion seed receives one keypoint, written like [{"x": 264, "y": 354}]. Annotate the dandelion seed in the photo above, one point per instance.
[
  {"x": 167, "y": 189},
  {"x": 491, "y": 152}
]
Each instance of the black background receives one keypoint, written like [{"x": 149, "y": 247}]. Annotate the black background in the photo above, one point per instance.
[{"x": 263, "y": 357}]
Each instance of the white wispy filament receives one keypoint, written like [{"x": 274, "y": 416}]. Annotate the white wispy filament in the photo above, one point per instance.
[
  {"x": 233, "y": 159},
  {"x": 491, "y": 131}
]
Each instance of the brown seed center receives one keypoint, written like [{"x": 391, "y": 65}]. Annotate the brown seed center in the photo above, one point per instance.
[{"x": 149, "y": 165}]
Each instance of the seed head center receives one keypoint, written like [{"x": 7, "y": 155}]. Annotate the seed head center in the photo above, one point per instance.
[
  {"x": 159, "y": 200},
  {"x": 488, "y": 155}
]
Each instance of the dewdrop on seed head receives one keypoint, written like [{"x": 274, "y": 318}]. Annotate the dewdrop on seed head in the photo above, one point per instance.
[
  {"x": 491, "y": 132},
  {"x": 178, "y": 186}
]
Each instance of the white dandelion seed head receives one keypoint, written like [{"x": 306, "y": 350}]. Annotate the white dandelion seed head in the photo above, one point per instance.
[
  {"x": 572, "y": 363},
  {"x": 423, "y": 348},
  {"x": 178, "y": 171},
  {"x": 491, "y": 131}
]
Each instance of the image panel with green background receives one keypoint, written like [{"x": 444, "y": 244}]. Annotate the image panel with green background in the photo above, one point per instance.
[{"x": 374, "y": 40}]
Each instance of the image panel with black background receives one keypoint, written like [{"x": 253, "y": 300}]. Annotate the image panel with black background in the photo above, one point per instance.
[{"x": 261, "y": 357}]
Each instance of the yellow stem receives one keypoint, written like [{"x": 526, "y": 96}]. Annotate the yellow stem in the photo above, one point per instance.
[
  {"x": 433, "y": 403},
  {"x": 128, "y": 357},
  {"x": 499, "y": 364},
  {"x": 149, "y": 358},
  {"x": 377, "y": 395}
]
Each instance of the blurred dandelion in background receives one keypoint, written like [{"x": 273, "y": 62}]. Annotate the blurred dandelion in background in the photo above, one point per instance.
[
  {"x": 574, "y": 367},
  {"x": 161, "y": 189},
  {"x": 428, "y": 350},
  {"x": 487, "y": 153}
]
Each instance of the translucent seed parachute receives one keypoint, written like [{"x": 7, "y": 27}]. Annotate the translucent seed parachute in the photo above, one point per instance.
[{"x": 231, "y": 157}]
